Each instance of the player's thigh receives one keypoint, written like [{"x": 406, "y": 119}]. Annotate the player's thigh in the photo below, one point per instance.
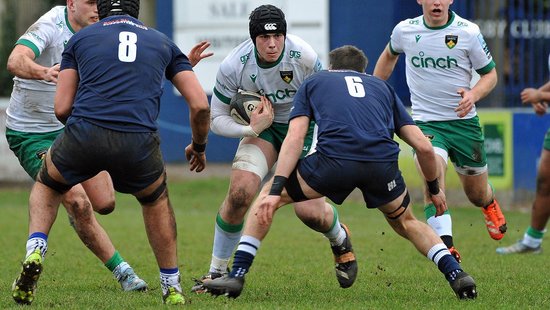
[
  {"x": 255, "y": 155},
  {"x": 30, "y": 148},
  {"x": 100, "y": 191}
]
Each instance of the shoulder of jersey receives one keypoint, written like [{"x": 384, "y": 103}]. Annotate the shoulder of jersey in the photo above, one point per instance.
[
  {"x": 239, "y": 55},
  {"x": 411, "y": 22},
  {"x": 464, "y": 24},
  {"x": 306, "y": 52}
]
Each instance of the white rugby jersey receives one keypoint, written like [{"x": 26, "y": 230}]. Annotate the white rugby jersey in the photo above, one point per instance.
[
  {"x": 439, "y": 61},
  {"x": 47, "y": 38},
  {"x": 278, "y": 81}
]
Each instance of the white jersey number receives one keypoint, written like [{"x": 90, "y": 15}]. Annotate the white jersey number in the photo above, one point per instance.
[
  {"x": 127, "y": 49},
  {"x": 355, "y": 86}
]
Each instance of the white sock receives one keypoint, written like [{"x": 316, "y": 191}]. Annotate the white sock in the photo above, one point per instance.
[
  {"x": 34, "y": 243},
  {"x": 437, "y": 252},
  {"x": 531, "y": 241},
  {"x": 442, "y": 225},
  {"x": 224, "y": 244},
  {"x": 168, "y": 280}
]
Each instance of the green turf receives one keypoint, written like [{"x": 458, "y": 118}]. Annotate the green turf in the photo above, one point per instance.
[{"x": 293, "y": 269}]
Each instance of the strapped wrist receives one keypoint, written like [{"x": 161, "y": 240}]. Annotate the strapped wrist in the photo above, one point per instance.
[
  {"x": 433, "y": 187},
  {"x": 249, "y": 132},
  {"x": 278, "y": 185},
  {"x": 199, "y": 148}
]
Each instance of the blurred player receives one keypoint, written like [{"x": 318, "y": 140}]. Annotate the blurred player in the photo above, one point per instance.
[
  {"x": 357, "y": 115},
  {"x": 108, "y": 94},
  {"x": 31, "y": 127},
  {"x": 441, "y": 50},
  {"x": 274, "y": 63},
  {"x": 532, "y": 239}
]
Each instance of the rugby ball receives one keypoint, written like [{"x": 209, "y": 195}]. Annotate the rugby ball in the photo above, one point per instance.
[{"x": 242, "y": 105}]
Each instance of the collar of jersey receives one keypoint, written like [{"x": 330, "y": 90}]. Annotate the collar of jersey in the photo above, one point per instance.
[
  {"x": 441, "y": 27},
  {"x": 67, "y": 21},
  {"x": 271, "y": 64}
]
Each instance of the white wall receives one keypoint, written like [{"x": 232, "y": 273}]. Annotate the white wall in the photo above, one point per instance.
[{"x": 10, "y": 170}]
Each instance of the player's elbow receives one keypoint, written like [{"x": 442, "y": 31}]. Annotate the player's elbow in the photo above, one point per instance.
[{"x": 61, "y": 114}]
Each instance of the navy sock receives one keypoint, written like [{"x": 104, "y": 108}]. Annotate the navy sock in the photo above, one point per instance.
[
  {"x": 241, "y": 264},
  {"x": 449, "y": 267}
]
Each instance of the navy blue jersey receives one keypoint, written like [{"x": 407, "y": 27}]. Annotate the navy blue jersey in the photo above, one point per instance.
[
  {"x": 357, "y": 115},
  {"x": 121, "y": 64}
]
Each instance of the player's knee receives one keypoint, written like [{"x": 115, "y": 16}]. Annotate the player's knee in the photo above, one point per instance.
[
  {"x": 105, "y": 208},
  {"x": 239, "y": 198},
  {"x": 78, "y": 207}
]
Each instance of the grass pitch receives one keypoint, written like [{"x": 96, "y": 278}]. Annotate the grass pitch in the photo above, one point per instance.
[{"x": 293, "y": 269}]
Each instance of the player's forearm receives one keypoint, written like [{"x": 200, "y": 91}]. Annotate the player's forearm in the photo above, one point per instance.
[
  {"x": 24, "y": 67},
  {"x": 200, "y": 124},
  {"x": 223, "y": 124},
  {"x": 289, "y": 155},
  {"x": 545, "y": 87},
  {"x": 485, "y": 85},
  {"x": 385, "y": 64}
]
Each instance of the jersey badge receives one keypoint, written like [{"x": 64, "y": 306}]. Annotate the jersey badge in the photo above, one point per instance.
[
  {"x": 253, "y": 78},
  {"x": 417, "y": 37},
  {"x": 287, "y": 76},
  {"x": 451, "y": 41}
]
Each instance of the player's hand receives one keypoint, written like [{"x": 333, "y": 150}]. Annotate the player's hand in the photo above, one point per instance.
[
  {"x": 52, "y": 73},
  {"x": 466, "y": 104},
  {"x": 540, "y": 108},
  {"x": 262, "y": 117},
  {"x": 266, "y": 209},
  {"x": 530, "y": 95},
  {"x": 196, "y": 54},
  {"x": 197, "y": 161},
  {"x": 440, "y": 202}
]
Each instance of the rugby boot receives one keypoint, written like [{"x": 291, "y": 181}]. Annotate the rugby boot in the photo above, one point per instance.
[
  {"x": 345, "y": 261},
  {"x": 494, "y": 220}
]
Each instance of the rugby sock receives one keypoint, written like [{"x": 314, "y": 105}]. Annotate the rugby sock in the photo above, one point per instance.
[
  {"x": 533, "y": 237},
  {"x": 336, "y": 234},
  {"x": 226, "y": 237},
  {"x": 37, "y": 240},
  {"x": 446, "y": 263},
  {"x": 169, "y": 278},
  {"x": 442, "y": 225},
  {"x": 114, "y": 261},
  {"x": 244, "y": 256}
]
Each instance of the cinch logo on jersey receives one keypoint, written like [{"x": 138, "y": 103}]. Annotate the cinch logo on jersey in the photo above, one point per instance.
[
  {"x": 270, "y": 26},
  {"x": 430, "y": 62},
  {"x": 280, "y": 94}
]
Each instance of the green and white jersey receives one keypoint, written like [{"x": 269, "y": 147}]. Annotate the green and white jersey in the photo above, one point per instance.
[
  {"x": 439, "y": 61},
  {"x": 278, "y": 81},
  {"x": 47, "y": 38}
]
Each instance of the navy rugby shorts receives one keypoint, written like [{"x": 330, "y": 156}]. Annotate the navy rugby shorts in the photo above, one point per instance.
[
  {"x": 335, "y": 178},
  {"x": 133, "y": 160}
]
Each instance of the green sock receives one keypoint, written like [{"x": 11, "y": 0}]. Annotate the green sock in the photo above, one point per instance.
[
  {"x": 537, "y": 234},
  {"x": 114, "y": 261},
  {"x": 429, "y": 211}
]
